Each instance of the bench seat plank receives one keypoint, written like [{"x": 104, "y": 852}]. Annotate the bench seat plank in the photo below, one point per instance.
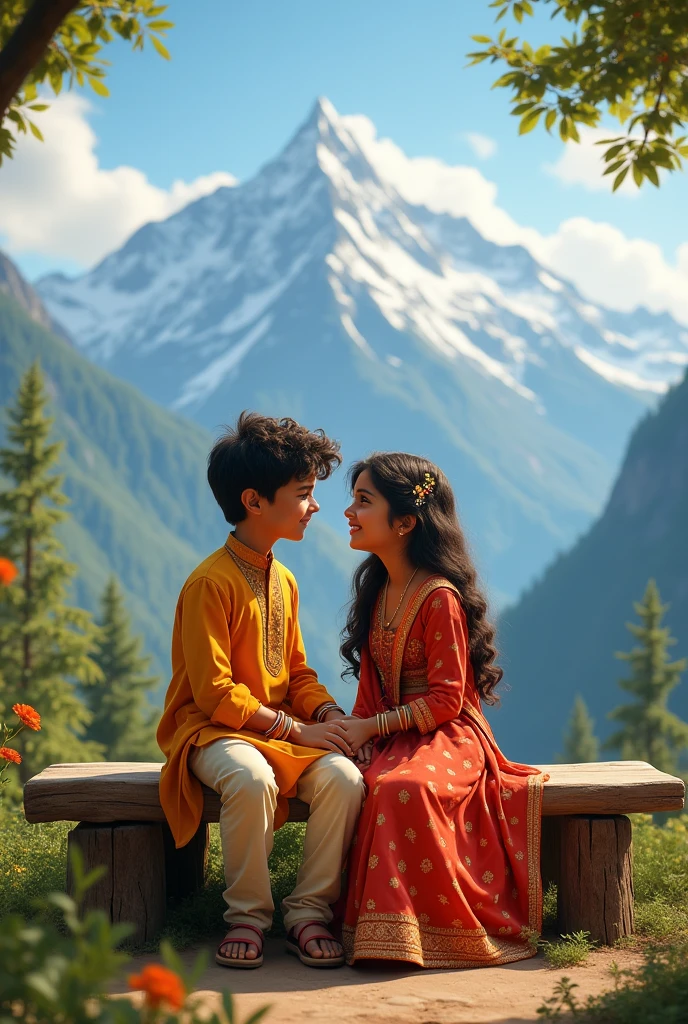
[{"x": 128, "y": 791}]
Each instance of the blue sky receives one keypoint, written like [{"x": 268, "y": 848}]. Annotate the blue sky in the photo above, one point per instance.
[{"x": 244, "y": 76}]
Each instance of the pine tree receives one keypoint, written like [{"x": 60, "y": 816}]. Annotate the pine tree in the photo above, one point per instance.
[
  {"x": 46, "y": 644},
  {"x": 123, "y": 721},
  {"x": 580, "y": 742},
  {"x": 649, "y": 731}
]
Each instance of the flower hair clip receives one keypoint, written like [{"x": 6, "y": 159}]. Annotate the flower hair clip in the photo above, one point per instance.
[{"x": 422, "y": 491}]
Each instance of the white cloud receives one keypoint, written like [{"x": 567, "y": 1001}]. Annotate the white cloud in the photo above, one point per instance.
[
  {"x": 482, "y": 145},
  {"x": 459, "y": 190},
  {"x": 582, "y": 163},
  {"x": 617, "y": 271},
  {"x": 58, "y": 201},
  {"x": 606, "y": 265}
]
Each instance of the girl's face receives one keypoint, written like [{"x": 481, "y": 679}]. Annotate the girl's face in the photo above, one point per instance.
[{"x": 368, "y": 516}]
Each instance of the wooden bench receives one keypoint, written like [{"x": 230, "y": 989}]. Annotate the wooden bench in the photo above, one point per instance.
[{"x": 586, "y": 837}]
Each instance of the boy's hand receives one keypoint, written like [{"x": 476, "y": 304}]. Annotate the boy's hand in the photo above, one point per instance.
[{"x": 323, "y": 736}]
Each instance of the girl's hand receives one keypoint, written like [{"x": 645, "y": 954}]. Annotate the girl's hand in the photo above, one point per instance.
[
  {"x": 323, "y": 736},
  {"x": 357, "y": 731},
  {"x": 364, "y": 754}
]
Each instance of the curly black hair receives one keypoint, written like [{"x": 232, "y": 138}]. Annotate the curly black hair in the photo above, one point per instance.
[{"x": 265, "y": 453}]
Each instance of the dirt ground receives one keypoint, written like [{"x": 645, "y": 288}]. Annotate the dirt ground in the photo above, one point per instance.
[{"x": 398, "y": 994}]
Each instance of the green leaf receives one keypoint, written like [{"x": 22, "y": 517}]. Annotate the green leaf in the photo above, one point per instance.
[
  {"x": 62, "y": 901},
  {"x": 228, "y": 1006},
  {"x": 550, "y": 119},
  {"x": 38, "y": 106},
  {"x": 611, "y": 153},
  {"x": 619, "y": 179},
  {"x": 476, "y": 39},
  {"x": 98, "y": 86},
  {"x": 35, "y": 131},
  {"x": 615, "y": 166},
  {"x": 651, "y": 173},
  {"x": 162, "y": 50},
  {"x": 523, "y": 108},
  {"x": 171, "y": 958},
  {"x": 258, "y": 1015},
  {"x": 529, "y": 121},
  {"x": 637, "y": 175}
]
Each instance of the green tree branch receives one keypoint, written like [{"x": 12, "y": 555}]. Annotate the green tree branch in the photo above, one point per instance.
[
  {"x": 47, "y": 41},
  {"x": 627, "y": 59}
]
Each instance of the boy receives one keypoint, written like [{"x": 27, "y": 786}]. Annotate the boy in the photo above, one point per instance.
[{"x": 244, "y": 713}]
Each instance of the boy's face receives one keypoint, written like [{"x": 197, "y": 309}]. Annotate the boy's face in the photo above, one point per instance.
[{"x": 290, "y": 511}]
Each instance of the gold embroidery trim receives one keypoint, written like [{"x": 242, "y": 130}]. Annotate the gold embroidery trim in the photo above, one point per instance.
[
  {"x": 271, "y": 609},
  {"x": 422, "y": 716},
  {"x": 400, "y": 637},
  {"x": 410, "y": 685},
  {"x": 534, "y": 832},
  {"x": 402, "y": 937}
]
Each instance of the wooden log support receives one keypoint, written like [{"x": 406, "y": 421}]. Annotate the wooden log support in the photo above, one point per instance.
[
  {"x": 185, "y": 867},
  {"x": 595, "y": 884},
  {"x": 133, "y": 889}
]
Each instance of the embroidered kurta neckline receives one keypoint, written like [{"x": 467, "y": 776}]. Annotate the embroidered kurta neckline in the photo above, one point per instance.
[
  {"x": 247, "y": 554},
  {"x": 263, "y": 579}
]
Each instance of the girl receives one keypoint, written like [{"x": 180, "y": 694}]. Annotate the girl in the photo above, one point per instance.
[{"x": 444, "y": 870}]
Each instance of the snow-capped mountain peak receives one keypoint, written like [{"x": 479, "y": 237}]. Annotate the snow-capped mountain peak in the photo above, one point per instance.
[
  {"x": 208, "y": 277},
  {"x": 317, "y": 289}
]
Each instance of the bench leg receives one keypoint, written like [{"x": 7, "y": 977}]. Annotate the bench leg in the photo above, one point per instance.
[
  {"x": 185, "y": 867},
  {"x": 595, "y": 880},
  {"x": 133, "y": 889}
]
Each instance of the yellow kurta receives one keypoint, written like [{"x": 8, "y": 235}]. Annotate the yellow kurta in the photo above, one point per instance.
[{"x": 236, "y": 644}]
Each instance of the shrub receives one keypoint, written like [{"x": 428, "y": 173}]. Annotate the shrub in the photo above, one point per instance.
[
  {"x": 59, "y": 971},
  {"x": 655, "y": 994},
  {"x": 660, "y": 859},
  {"x": 569, "y": 950}
]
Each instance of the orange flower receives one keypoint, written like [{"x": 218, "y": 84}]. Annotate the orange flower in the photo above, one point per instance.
[
  {"x": 8, "y": 572},
  {"x": 7, "y": 754},
  {"x": 28, "y": 716},
  {"x": 160, "y": 985}
]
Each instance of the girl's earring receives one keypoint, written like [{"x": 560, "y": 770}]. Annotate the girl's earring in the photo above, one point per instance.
[{"x": 401, "y": 533}]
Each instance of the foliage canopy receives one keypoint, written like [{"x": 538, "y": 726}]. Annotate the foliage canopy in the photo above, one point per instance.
[
  {"x": 52, "y": 42},
  {"x": 627, "y": 59}
]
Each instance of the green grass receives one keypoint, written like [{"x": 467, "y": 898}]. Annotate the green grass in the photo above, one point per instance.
[
  {"x": 657, "y": 993},
  {"x": 33, "y": 863},
  {"x": 568, "y": 950}
]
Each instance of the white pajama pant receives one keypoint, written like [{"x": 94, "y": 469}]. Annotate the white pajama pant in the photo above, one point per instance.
[{"x": 332, "y": 786}]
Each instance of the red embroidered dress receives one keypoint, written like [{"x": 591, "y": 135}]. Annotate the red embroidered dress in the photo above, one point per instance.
[{"x": 445, "y": 866}]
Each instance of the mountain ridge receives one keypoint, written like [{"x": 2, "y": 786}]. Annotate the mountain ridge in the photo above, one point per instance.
[
  {"x": 316, "y": 290},
  {"x": 140, "y": 505},
  {"x": 559, "y": 639}
]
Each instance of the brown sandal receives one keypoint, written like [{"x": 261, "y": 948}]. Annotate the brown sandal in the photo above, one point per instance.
[
  {"x": 235, "y": 961},
  {"x": 293, "y": 946}
]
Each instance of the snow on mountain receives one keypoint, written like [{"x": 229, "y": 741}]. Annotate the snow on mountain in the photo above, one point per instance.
[{"x": 315, "y": 289}]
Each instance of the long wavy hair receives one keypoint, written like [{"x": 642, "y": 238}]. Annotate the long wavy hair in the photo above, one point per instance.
[{"x": 436, "y": 544}]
